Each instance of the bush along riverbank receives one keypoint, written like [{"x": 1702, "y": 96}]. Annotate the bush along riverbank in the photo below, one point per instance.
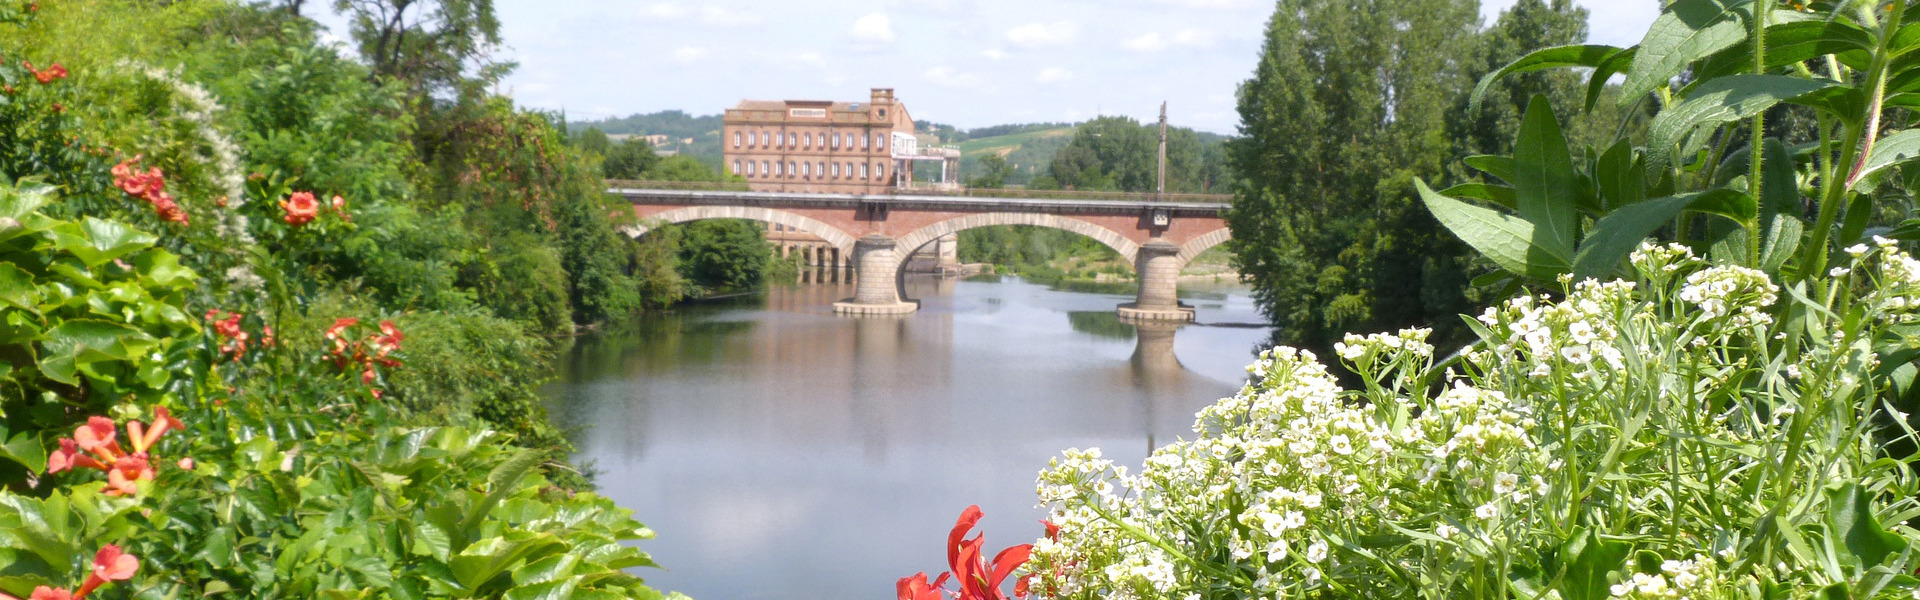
[{"x": 272, "y": 320}]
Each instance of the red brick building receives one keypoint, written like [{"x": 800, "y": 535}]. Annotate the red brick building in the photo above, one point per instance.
[{"x": 818, "y": 146}]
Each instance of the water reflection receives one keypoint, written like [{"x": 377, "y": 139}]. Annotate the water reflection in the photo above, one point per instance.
[{"x": 783, "y": 451}]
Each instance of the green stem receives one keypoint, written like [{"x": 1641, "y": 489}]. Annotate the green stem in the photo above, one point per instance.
[{"x": 1755, "y": 141}]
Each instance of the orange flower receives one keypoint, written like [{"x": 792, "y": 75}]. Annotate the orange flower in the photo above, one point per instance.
[
  {"x": 110, "y": 564},
  {"x": 301, "y": 208},
  {"x": 125, "y": 473},
  {"x": 97, "y": 435},
  {"x": 162, "y": 422},
  {"x": 69, "y": 457},
  {"x": 185, "y": 463},
  {"x": 50, "y": 593}
]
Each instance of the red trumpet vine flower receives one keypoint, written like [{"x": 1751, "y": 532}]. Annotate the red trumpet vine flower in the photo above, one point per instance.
[
  {"x": 51, "y": 593},
  {"x": 916, "y": 587},
  {"x": 110, "y": 564},
  {"x": 150, "y": 186},
  {"x": 228, "y": 328},
  {"x": 94, "y": 446},
  {"x": 47, "y": 76},
  {"x": 980, "y": 579},
  {"x": 301, "y": 208}
]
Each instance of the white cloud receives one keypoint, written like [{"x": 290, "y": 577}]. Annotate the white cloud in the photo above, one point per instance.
[
  {"x": 936, "y": 6},
  {"x": 1039, "y": 35},
  {"x": 948, "y": 77},
  {"x": 874, "y": 28},
  {"x": 1150, "y": 42},
  {"x": 662, "y": 10},
  {"x": 996, "y": 54},
  {"x": 1154, "y": 42},
  {"x": 715, "y": 15},
  {"x": 1053, "y": 75},
  {"x": 687, "y": 54},
  {"x": 1211, "y": 3}
]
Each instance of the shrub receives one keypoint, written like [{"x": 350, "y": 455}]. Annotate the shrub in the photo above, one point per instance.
[{"x": 1626, "y": 438}]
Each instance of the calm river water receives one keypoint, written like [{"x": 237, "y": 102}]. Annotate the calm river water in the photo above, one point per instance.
[{"x": 783, "y": 452}]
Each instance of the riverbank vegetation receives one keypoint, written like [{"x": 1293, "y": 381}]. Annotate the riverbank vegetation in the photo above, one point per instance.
[{"x": 274, "y": 318}]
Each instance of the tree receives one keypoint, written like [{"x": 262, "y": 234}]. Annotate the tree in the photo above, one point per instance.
[
  {"x": 1527, "y": 26},
  {"x": 996, "y": 174},
  {"x": 428, "y": 45},
  {"x": 1348, "y": 104}
]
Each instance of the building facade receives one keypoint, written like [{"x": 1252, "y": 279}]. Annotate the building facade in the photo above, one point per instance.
[{"x": 818, "y": 146}]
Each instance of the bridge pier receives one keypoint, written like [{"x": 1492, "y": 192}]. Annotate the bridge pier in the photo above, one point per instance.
[
  {"x": 1158, "y": 266},
  {"x": 876, "y": 289}
]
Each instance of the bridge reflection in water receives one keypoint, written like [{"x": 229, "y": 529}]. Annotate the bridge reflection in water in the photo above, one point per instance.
[{"x": 828, "y": 455}]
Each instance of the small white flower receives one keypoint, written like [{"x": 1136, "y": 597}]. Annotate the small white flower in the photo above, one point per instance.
[
  {"x": 1446, "y": 531},
  {"x": 1486, "y": 512},
  {"x": 1577, "y": 354},
  {"x": 1838, "y": 272},
  {"x": 1857, "y": 250},
  {"x": 1340, "y": 444},
  {"x": 1317, "y": 552},
  {"x": 1581, "y": 332},
  {"x": 1505, "y": 483}
]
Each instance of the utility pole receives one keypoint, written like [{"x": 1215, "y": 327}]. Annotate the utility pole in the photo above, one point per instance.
[{"x": 1160, "y": 189}]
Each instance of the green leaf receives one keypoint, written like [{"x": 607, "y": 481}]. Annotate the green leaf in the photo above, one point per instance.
[
  {"x": 1505, "y": 239},
  {"x": 552, "y": 568},
  {"x": 1688, "y": 31},
  {"x": 1588, "y": 561},
  {"x": 1780, "y": 206},
  {"x": 24, "y": 448},
  {"x": 1850, "y": 515},
  {"x": 1719, "y": 101},
  {"x": 1613, "y": 65},
  {"x": 1496, "y": 194},
  {"x": 552, "y": 590},
  {"x": 1543, "y": 179},
  {"x": 486, "y": 559},
  {"x": 1621, "y": 176},
  {"x": 1501, "y": 167},
  {"x": 1892, "y": 149},
  {"x": 82, "y": 341},
  {"x": 1616, "y": 235},
  {"x": 1545, "y": 58},
  {"x": 1787, "y": 44},
  {"x": 17, "y": 289},
  {"x": 502, "y": 481},
  {"x": 95, "y": 242},
  {"x": 18, "y": 202}
]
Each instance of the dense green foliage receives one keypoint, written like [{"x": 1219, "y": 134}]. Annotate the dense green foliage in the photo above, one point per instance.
[
  {"x": 1118, "y": 153},
  {"x": 1040, "y": 253},
  {"x": 1353, "y": 99},
  {"x": 338, "y": 277},
  {"x": 678, "y": 126}
]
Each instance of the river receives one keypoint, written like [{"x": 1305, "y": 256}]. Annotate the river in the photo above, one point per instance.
[{"x": 783, "y": 452}]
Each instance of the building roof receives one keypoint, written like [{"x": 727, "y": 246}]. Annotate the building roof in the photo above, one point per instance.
[{"x": 780, "y": 105}]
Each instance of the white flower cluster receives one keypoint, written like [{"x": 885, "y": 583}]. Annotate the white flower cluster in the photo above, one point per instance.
[
  {"x": 1695, "y": 579},
  {"x": 1738, "y": 294},
  {"x": 200, "y": 108},
  {"x": 1898, "y": 276},
  {"x": 1408, "y": 341},
  {"x": 1579, "y": 333}
]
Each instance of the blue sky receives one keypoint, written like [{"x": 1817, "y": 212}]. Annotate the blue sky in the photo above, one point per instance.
[{"x": 970, "y": 63}]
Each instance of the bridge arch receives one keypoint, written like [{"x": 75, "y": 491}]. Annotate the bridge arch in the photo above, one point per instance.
[
  {"x": 912, "y": 242},
  {"x": 1204, "y": 242},
  {"x": 833, "y": 235}
]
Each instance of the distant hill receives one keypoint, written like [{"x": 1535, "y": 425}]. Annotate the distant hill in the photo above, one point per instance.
[
  {"x": 678, "y": 126},
  {"x": 1027, "y": 148}
]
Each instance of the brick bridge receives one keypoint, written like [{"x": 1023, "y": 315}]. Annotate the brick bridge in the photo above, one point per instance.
[{"x": 1159, "y": 236}]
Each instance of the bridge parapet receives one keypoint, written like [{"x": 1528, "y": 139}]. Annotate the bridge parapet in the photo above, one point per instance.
[{"x": 615, "y": 186}]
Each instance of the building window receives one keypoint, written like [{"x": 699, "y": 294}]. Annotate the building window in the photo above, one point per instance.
[
  {"x": 807, "y": 140},
  {"x": 865, "y": 142},
  {"x": 823, "y": 168},
  {"x": 779, "y": 169},
  {"x": 880, "y": 171},
  {"x": 883, "y": 113},
  {"x": 806, "y": 169},
  {"x": 849, "y": 141},
  {"x": 736, "y": 162},
  {"x": 736, "y": 139},
  {"x": 864, "y": 172},
  {"x": 792, "y": 170},
  {"x": 749, "y": 168},
  {"x": 836, "y": 169},
  {"x": 765, "y": 169},
  {"x": 836, "y": 142},
  {"x": 880, "y": 141},
  {"x": 792, "y": 140}
]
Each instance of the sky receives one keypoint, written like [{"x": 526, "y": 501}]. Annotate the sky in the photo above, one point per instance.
[{"x": 968, "y": 63}]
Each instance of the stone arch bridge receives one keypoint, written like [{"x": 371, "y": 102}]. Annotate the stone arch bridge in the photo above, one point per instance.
[{"x": 1158, "y": 235}]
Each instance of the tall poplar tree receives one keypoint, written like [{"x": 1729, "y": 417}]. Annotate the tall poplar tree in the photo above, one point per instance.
[{"x": 1351, "y": 101}]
